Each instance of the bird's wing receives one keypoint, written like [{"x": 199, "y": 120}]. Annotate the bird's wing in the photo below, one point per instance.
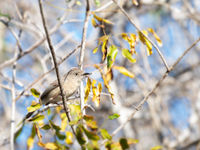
[{"x": 50, "y": 88}]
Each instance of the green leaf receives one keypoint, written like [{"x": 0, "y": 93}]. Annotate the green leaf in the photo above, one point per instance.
[
  {"x": 114, "y": 116},
  {"x": 18, "y": 132},
  {"x": 33, "y": 107},
  {"x": 124, "y": 144},
  {"x": 73, "y": 122},
  {"x": 60, "y": 136},
  {"x": 105, "y": 134},
  {"x": 5, "y": 15},
  {"x": 132, "y": 141},
  {"x": 35, "y": 93},
  {"x": 57, "y": 128},
  {"x": 112, "y": 53},
  {"x": 128, "y": 55},
  {"x": 97, "y": 3},
  {"x": 79, "y": 135},
  {"x": 46, "y": 127},
  {"x": 37, "y": 118},
  {"x": 91, "y": 135}
]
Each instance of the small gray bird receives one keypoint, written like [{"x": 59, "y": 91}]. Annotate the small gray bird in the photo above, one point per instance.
[{"x": 71, "y": 82}]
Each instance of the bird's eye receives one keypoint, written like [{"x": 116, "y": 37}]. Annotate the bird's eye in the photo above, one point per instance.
[{"x": 76, "y": 74}]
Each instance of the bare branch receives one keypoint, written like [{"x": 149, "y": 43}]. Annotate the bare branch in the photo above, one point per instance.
[
  {"x": 33, "y": 47},
  {"x": 55, "y": 64},
  {"x": 82, "y": 51},
  {"x": 138, "y": 28},
  {"x": 139, "y": 106}
]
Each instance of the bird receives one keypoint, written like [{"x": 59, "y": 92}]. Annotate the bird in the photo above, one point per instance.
[
  {"x": 71, "y": 82},
  {"x": 52, "y": 95}
]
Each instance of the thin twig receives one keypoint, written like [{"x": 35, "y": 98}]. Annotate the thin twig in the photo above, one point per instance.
[
  {"x": 138, "y": 28},
  {"x": 55, "y": 64},
  {"x": 82, "y": 51},
  {"x": 33, "y": 47},
  {"x": 139, "y": 106},
  {"x": 103, "y": 7}
]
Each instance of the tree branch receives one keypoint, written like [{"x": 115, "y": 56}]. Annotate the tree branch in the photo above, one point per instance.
[
  {"x": 82, "y": 51},
  {"x": 139, "y": 106},
  {"x": 138, "y": 28},
  {"x": 55, "y": 64}
]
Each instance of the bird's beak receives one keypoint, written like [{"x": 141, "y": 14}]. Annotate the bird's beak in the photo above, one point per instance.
[{"x": 86, "y": 74}]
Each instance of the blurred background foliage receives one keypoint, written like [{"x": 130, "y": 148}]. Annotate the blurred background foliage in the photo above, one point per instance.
[{"x": 169, "y": 118}]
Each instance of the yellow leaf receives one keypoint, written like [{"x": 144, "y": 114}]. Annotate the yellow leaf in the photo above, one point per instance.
[
  {"x": 63, "y": 121},
  {"x": 124, "y": 36},
  {"x": 109, "y": 74},
  {"x": 96, "y": 92},
  {"x": 78, "y": 3},
  {"x": 132, "y": 141},
  {"x": 50, "y": 145},
  {"x": 145, "y": 41},
  {"x": 124, "y": 71},
  {"x": 34, "y": 106},
  {"x": 102, "y": 19},
  {"x": 94, "y": 24},
  {"x": 69, "y": 137},
  {"x": 106, "y": 83},
  {"x": 156, "y": 36},
  {"x": 128, "y": 55},
  {"x": 104, "y": 49},
  {"x": 135, "y": 2},
  {"x": 95, "y": 50},
  {"x": 132, "y": 43},
  {"x": 157, "y": 147},
  {"x": 87, "y": 90},
  {"x": 30, "y": 142},
  {"x": 103, "y": 38},
  {"x": 131, "y": 40}
]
